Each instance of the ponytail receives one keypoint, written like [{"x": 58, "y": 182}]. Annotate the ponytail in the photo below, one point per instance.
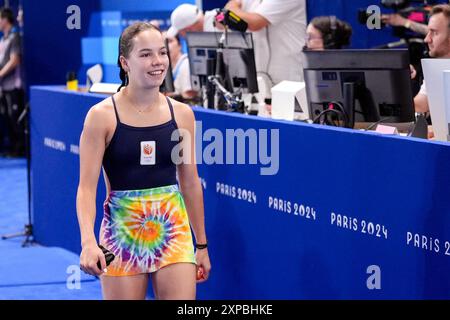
[{"x": 123, "y": 76}]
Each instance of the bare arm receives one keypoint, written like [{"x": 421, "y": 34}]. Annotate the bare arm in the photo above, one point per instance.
[
  {"x": 421, "y": 103},
  {"x": 12, "y": 63},
  {"x": 92, "y": 148},
  {"x": 418, "y": 27},
  {"x": 397, "y": 20},
  {"x": 188, "y": 175},
  {"x": 191, "y": 188},
  {"x": 255, "y": 21}
]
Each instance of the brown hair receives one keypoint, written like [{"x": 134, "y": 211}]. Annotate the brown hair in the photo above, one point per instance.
[
  {"x": 7, "y": 13},
  {"x": 126, "y": 45},
  {"x": 441, "y": 8},
  {"x": 335, "y": 33}
]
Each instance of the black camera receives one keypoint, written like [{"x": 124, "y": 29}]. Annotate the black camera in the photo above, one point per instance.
[{"x": 231, "y": 20}]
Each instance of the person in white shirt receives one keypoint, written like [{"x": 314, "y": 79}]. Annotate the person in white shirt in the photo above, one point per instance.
[
  {"x": 189, "y": 18},
  {"x": 279, "y": 28},
  {"x": 180, "y": 69},
  {"x": 438, "y": 40}
]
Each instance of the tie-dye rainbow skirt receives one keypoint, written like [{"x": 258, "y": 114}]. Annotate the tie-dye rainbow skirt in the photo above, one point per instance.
[{"x": 146, "y": 230}]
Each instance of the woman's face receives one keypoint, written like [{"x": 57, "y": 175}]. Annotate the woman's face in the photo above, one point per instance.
[
  {"x": 314, "y": 39},
  {"x": 148, "y": 61}
]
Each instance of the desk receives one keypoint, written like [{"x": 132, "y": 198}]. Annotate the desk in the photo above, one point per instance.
[{"x": 349, "y": 214}]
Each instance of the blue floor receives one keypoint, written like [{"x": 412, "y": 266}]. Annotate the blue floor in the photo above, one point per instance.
[{"x": 35, "y": 272}]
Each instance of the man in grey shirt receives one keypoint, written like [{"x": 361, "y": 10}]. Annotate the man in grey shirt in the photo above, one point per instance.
[{"x": 11, "y": 86}]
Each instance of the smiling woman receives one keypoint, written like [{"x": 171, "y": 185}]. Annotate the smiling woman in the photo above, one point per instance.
[
  {"x": 147, "y": 214},
  {"x": 142, "y": 54}
]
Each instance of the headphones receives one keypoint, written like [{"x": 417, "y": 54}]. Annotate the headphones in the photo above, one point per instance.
[{"x": 329, "y": 41}]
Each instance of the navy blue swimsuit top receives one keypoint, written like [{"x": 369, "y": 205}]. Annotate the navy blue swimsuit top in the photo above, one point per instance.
[{"x": 139, "y": 158}]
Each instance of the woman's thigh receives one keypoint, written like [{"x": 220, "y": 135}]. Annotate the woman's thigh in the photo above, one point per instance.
[
  {"x": 125, "y": 288},
  {"x": 175, "y": 282}
]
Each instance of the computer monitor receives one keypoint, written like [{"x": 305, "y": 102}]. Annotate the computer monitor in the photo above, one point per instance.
[
  {"x": 238, "y": 58},
  {"x": 381, "y": 80},
  {"x": 437, "y": 79}
]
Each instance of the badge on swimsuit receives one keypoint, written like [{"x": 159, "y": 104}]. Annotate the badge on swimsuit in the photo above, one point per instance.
[{"x": 148, "y": 153}]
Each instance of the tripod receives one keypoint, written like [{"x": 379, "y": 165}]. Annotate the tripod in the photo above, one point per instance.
[{"x": 28, "y": 231}]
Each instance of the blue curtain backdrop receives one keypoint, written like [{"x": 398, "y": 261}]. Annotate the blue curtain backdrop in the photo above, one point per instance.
[{"x": 50, "y": 48}]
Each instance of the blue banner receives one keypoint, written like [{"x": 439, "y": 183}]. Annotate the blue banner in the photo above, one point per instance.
[{"x": 314, "y": 213}]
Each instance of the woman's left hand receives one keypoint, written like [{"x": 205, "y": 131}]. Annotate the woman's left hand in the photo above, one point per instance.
[{"x": 203, "y": 265}]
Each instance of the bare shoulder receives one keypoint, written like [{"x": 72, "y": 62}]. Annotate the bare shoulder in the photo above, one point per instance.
[
  {"x": 183, "y": 114},
  {"x": 101, "y": 115}
]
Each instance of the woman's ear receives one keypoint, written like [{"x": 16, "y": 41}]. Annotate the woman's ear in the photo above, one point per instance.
[{"x": 124, "y": 64}]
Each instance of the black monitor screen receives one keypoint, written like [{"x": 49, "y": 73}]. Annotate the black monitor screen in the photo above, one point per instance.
[
  {"x": 381, "y": 77},
  {"x": 238, "y": 56}
]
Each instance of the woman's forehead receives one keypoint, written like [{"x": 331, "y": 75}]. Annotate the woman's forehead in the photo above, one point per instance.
[{"x": 151, "y": 39}]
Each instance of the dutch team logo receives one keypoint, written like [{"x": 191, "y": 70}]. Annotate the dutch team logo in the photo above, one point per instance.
[
  {"x": 148, "y": 153},
  {"x": 148, "y": 150}
]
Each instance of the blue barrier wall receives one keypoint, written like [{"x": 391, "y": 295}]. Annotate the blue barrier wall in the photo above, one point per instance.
[
  {"x": 55, "y": 133},
  {"x": 343, "y": 203}
]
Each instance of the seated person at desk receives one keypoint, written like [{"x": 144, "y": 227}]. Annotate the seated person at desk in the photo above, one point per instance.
[
  {"x": 438, "y": 40},
  {"x": 328, "y": 33},
  {"x": 180, "y": 70}
]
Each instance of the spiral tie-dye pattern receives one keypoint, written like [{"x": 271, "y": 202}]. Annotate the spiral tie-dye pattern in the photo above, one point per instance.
[{"x": 146, "y": 230}]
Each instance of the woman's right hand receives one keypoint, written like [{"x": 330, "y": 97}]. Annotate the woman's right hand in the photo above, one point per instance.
[{"x": 89, "y": 257}]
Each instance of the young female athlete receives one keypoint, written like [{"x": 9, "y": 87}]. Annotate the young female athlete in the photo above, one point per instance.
[{"x": 152, "y": 201}]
